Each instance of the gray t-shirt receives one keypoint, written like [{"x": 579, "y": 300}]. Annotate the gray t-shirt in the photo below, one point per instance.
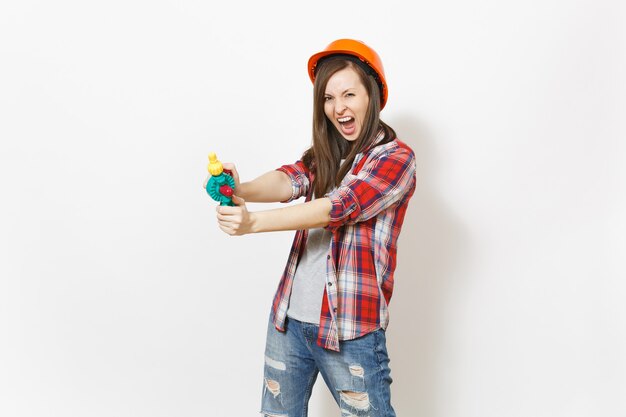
[{"x": 305, "y": 303}]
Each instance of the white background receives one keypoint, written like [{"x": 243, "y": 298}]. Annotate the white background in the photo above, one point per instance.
[{"x": 119, "y": 296}]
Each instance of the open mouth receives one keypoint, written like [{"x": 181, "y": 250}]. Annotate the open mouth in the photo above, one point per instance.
[{"x": 347, "y": 124}]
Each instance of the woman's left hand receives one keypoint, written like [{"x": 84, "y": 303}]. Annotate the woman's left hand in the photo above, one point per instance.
[{"x": 235, "y": 220}]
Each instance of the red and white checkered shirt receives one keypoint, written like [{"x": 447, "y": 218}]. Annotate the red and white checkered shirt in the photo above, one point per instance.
[{"x": 368, "y": 209}]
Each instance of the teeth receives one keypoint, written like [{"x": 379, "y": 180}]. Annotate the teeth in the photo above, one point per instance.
[{"x": 344, "y": 119}]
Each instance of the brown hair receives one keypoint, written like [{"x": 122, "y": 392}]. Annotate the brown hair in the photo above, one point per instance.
[{"x": 328, "y": 145}]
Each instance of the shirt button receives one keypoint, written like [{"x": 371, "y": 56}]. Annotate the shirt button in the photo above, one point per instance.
[
  {"x": 330, "y": 284},
  {"x": 335, "y": 309},
  {"x": 327, "y": 256}
]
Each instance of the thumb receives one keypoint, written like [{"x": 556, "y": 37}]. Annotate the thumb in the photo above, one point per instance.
[{"x": 238, "y": 200}]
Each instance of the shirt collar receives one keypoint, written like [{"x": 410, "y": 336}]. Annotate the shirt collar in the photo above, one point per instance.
[{"x": 380, "y": 136}]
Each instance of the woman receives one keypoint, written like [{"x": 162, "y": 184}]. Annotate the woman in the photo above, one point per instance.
[{"x": 330, "y": 311}]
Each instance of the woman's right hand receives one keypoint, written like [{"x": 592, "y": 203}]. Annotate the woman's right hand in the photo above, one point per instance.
[{"x": 233, "y": 172}]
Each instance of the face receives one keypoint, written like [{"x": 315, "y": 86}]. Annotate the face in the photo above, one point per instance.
[{"x": 345, "y": 102}]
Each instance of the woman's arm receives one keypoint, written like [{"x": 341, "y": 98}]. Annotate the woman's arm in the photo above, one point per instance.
[
  {"x": 285, "y": 184},
  {"x": 239, "y": 221},
  {"x": 271, "y": 187}
]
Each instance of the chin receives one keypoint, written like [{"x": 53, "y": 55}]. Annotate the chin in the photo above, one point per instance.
[{"x": 350, "y": 138}]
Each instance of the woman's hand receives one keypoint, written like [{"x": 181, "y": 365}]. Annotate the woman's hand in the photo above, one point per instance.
[
  {"x": 235, "y": 221},
  {"x": 232, "y": 171},
  {"x": 229, "y": 166}
]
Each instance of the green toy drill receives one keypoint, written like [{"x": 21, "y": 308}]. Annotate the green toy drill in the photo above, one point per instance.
[{"x": 221, "y": 185}]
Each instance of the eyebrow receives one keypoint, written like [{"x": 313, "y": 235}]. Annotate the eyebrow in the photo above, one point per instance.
[{"x": 343, "y": 92}]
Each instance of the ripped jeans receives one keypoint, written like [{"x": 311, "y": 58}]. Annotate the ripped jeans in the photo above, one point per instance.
[{"x": 358, "y": 376}]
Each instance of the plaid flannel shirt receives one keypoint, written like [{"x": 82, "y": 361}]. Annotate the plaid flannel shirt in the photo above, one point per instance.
[{"x": 368, "y": 209}]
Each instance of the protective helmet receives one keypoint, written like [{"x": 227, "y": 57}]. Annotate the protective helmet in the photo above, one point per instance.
[{"x": 357, "y": 49}]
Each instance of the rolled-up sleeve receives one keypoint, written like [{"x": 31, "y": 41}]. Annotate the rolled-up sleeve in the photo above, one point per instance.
[
  {"x": 383, "y": 181},
  {"x": 300, "y": 177}
]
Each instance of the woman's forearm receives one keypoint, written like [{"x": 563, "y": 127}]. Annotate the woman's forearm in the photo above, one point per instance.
[
  {"x": 309, "y": 215},
  {"x": 271, "y": 187}
]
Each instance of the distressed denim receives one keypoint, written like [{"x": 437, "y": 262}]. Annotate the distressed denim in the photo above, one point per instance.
[{"x": 358, "y": 376}]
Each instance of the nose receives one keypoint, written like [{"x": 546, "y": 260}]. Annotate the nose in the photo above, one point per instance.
[{"x": 340, "y": 106}]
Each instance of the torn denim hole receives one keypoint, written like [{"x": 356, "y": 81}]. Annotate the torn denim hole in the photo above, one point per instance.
[
  {"x": 356, "y": 400},
  {"x": 273, "y": 387},
  {"x": 357, "y": 370},
  {"x": 273, "y": 363}
]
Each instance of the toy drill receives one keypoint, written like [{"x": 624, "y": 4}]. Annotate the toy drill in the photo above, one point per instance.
[{"x": 221, "y": 185}]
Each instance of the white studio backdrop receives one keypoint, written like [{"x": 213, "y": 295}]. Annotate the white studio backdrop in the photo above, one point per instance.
[{"x": 120, "y": 297}]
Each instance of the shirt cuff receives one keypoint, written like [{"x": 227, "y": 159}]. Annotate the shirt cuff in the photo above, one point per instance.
[
  {"x": 298, "y": 182},
  {"x": 345, "y": 207}
]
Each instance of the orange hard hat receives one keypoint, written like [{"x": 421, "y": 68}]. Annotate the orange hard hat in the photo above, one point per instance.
[{"x": 357, "y": 49}]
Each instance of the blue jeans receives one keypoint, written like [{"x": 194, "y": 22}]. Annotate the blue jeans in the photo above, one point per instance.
[{"x": 358, "y": 376}]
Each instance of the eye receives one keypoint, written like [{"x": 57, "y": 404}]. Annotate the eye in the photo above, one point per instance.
[{"x": 327, "y": 98}]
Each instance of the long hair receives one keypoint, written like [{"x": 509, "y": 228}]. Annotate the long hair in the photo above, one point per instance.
[{"x": 329, "y": 147}]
